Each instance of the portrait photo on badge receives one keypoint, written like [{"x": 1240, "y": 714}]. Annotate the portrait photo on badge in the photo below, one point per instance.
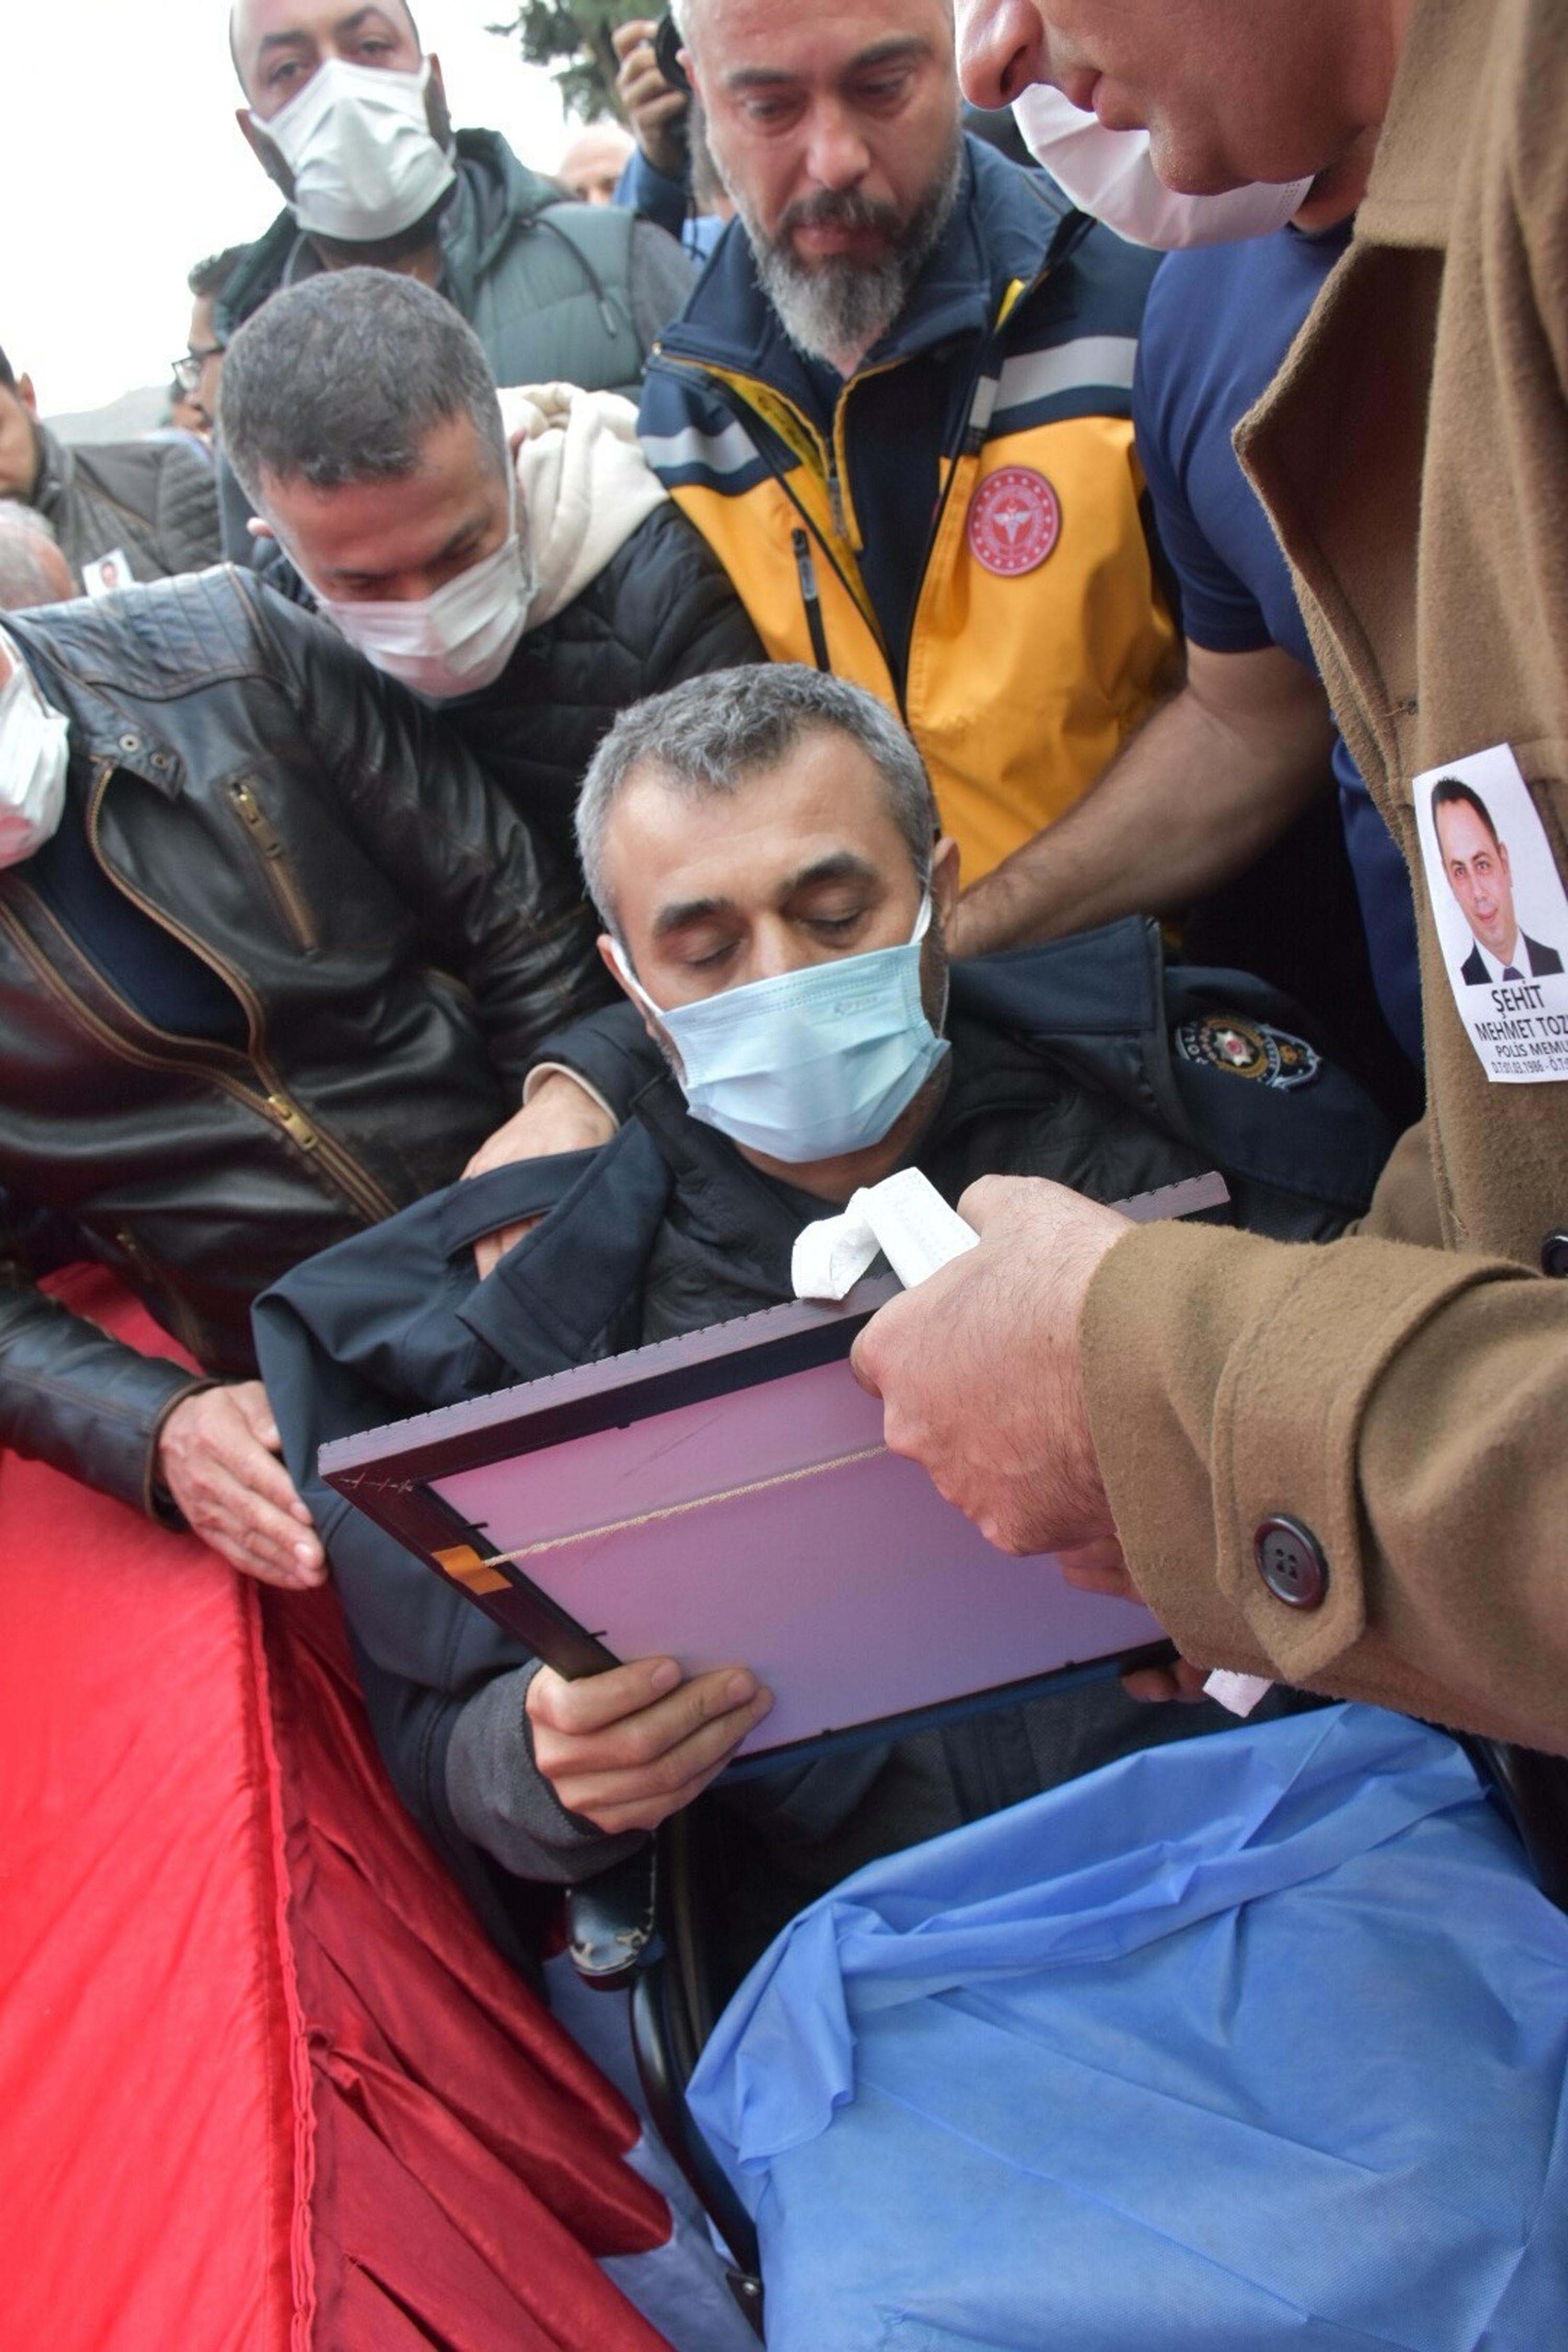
[
  {"x": 109, "y": 573},
  {"x": 1501, "y": 913}
]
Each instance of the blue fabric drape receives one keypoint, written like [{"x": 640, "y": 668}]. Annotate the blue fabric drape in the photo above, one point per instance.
[{"x": 1257, "y": 2040}]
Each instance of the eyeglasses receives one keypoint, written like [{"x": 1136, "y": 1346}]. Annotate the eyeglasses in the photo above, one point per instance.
[{"x": 187, "y": 369}]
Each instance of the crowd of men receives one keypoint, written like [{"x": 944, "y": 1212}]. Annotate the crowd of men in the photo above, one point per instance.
[{"x": 805, "y": 531}]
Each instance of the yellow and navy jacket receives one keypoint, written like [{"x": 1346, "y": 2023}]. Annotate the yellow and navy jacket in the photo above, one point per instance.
[{"x": 959, "y": 526}]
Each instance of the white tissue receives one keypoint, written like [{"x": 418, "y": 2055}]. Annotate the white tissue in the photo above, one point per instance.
[
  {"x": 1239, "y": 1693},
  {"x": 904, "y": 1216}
]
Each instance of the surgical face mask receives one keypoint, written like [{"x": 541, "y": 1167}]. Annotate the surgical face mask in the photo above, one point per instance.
[
  {"x": 365, "y": 160},
  {"x": 1109, "y": 173},
  {"x": 34, "y": 751},
  {"x": 808, "y": 1064},
  {"x": 458, "y": 640}
]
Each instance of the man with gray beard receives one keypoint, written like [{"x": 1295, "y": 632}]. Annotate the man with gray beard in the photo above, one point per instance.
[{"x": 898, "y": 407}]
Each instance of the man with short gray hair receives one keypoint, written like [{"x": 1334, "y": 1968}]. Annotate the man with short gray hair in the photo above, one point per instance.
[
  {"x": 764, "y": 850},
  {"x": 33, "y": 570},
  {"x": 709, "y": 739}
]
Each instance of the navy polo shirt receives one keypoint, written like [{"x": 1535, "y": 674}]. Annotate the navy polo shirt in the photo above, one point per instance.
[{"x": 1218, "y": 323}]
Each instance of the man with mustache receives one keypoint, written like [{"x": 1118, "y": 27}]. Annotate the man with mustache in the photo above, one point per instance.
[{"x": 898, "y": 407}]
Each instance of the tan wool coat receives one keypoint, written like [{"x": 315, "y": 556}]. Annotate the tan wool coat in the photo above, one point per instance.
[{"x": 1402, "y": 1392}]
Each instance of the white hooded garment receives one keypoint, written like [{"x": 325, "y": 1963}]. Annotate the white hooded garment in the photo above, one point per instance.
[{"x": 584, "y": 483}]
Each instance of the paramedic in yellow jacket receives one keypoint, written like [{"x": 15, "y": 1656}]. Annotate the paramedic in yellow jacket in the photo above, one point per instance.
[{"x": 898, "y": 407}]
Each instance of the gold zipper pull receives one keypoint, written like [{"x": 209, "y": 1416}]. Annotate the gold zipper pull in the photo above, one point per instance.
[
  {"x": 253, "y": 814},
  {"x": 293, "y": 1121}
]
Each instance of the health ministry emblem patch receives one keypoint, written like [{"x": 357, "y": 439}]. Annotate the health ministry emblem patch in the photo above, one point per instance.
[{"x": 1015, "y": 520}]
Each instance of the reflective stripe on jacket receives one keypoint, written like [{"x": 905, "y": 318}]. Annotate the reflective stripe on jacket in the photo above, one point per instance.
[{"x": 1038, "y": 638}]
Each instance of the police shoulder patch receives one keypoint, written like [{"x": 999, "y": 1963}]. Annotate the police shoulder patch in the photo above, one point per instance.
[{"x": 1249, "y": 1049}]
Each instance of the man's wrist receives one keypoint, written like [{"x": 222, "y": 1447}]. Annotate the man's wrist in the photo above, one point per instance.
[
  {"x": 665, "y": 157},
  {"x": 499, "y": 1799},
  {"x": 1011, "y": 907},
  {"x": 544, "y": 1070},
  {"x": 157, "y": 1497}
]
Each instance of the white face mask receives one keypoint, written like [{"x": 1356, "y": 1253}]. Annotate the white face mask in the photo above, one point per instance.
[
  {"x": 34, "y": 751},
  {"x": 456, "y": 641},
  {"x": 1109, "y": 173},
  {"x": 358, "y": 141}
]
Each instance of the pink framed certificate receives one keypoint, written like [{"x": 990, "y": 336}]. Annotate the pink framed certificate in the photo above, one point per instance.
[{"x": 727, "y": 1498}]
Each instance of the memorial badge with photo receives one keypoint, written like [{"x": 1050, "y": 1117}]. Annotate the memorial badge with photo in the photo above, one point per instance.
[
  {"x": 1501, "y": 913},
  {"x": 108, "y": 573}
]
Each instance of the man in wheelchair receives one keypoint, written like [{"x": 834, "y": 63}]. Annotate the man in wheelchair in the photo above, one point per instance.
[{"x": 763, "y": 849}]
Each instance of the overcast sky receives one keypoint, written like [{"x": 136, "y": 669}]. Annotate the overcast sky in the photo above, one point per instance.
[{"x": 120, "y": 164}]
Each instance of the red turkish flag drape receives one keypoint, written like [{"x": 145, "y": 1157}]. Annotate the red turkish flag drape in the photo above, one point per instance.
[{"x": 264, "y": 2085}]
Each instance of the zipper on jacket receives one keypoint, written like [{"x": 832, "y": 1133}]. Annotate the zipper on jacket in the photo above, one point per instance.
[
  {"x": 733, "y": 399},
  {"x": 275, "y": 863},
  {"x": 840, "y": 503},
  {"x": 156, "y": 1279},
  {"x": 727, "y": 395},
  {"x": 836, "y": 499},
  {"x": 806, "y": 571},
  {"x": 274, "y": 1102},
  {"x": 356, "y": 1184},
  {"x": 977, "y": 413}
]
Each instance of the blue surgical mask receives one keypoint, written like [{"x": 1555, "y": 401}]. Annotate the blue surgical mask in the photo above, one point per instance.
[{"x": 808, "y": 1064}]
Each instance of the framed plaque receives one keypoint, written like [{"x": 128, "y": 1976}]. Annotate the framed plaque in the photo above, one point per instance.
[{"x": 726, "y": 1498}]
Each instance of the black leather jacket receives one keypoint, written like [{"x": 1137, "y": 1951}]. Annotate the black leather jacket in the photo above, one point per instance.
[{"x": 397, "y": 939}]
